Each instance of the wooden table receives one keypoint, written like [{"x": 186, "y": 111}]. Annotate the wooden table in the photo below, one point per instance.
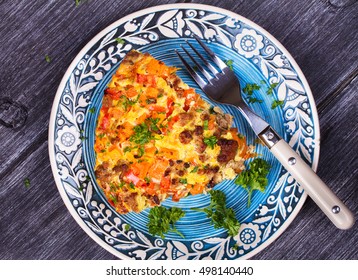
[{"x": 34, "y": 222}]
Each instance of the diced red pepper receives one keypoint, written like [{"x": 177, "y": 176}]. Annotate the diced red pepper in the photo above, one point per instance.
[
  {"x": 172, "y": 121},
  {"x": 157, "y": 108},
  {"x": 105, "y": 121},
  {"x": 146, "y": 79},
  {"x": 113, "y": 93},
  {"x": 170, "y": 107},
  {"x": 165, "y": 184}
]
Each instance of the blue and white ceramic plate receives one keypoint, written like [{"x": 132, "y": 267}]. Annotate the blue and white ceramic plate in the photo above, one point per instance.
[{"x": 257, "y": 58}]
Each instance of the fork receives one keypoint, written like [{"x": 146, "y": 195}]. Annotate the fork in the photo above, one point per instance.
[{"x": 224, "y": 87}]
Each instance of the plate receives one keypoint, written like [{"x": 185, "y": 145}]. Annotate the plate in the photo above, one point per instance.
[{"x": 257, "y": 58}]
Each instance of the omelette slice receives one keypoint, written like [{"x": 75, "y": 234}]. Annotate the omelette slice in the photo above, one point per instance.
[{"x": 156, "y": 138}]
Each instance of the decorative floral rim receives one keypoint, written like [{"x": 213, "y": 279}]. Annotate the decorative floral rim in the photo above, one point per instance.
[{"x": 97, "y": 58}]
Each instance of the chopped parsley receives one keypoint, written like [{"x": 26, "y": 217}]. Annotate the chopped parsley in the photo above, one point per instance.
[
  {"x": 142, "y": 135},
  {"x": 162, "y": 220},
  {"x": 211, "y": 141},
  {"x": 131, "y": 185},
  {"x": 47, "y": 58},
  {"x": 251, "y": 100},
  {"x": 220, "y": 215},
  {"x": 140, "y": 151},
  {"x": 153, "y": 124},
  {"x": 126, "y": 102},
  {"x": 127, "y": 149},
  {"x": 120, "y": 41},
  {"x": 206, "y": 125},
  {"x": 270, "y": 89},
  {"x": 195, "y": 169},
  {"x": 147, "y": 180},
  {"x": 249, "y": 88},
  {"x": 240, "y": 136},
  {"x": 92, "y": 110},
  {"x": 254, "y": 178},
  {"x": 27, "y": 183},
  {"x": 277, "y": 103},
  {"x": 127, "y": 227},
  {"x": 183, "y": 181},
  {"x": 229, "y": 64},
  {"x": 212, "y": 110},
  {"x": 113, "y": 198}
]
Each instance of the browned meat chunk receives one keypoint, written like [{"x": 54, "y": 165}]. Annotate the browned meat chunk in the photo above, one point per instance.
[
  {"x": 228, "y": 150},
  {"x": 199, "y": 130},
  {"x": 131, "y": 201},
  {"x": 200, "y": 146},
  {"x": 121, "y": 169},
  {"x": 185, "y": 137},
  {"x": 223, "y": 121},
  {"x": 185, "y": 118},
  {"x": 102, "y": 171}
]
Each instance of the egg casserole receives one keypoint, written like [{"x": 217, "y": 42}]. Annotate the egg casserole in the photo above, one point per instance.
[{"x": 157, "y": 138}]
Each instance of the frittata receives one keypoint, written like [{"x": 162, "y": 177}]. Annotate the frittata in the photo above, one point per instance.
[{"x": 157, "y": 138}]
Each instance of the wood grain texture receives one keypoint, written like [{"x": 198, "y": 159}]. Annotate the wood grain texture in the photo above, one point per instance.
[{"x": 35, "y": 224}]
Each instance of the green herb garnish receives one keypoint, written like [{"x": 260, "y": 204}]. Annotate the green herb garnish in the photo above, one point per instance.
[
  {"x": 113, "y": 198},
  {"x": 211, "y": 141},
  {"x": 27, "y": 183},
  {"x": 120, "y": 41},
  {"x": 271, "y": 88},
  {"x": 140, "y": 151},
  {"x": 183, "y": 181},
  {"x": 249, "y": 88},
  {"x": 92, "y": 110},
  {"x": 220, "y": 215},
  {"x": 147, "y": 180},
  {"x": 126, "y": 102},
  {"x": 251, "y": 100},
  {"x": 229, "y": 64},
  {"x": 212, "y": 111},
  {"x": 127, "y": 227},
  {"x": 47, "y": 58},
  {"x": 254, "y": 178},
  {"x": 277, "y": 103},
  {"x": 142, "y": 135},
  {"x": 131, "y": 185},
  {"x": 153, "y": 124},
  {"x": 195, "y": 169},
  {"x": 240, "y": 136},
  {"x": 206, "y": 125},
  {"x": 127, "y": 149},
  {"x": 162, "y": 220}
]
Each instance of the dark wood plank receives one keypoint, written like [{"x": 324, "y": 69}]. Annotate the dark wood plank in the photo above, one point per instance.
[{"x": 35, "y": 222}]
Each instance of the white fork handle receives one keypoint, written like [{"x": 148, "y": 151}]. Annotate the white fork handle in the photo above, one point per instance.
[{"x": 329, "y": 203}]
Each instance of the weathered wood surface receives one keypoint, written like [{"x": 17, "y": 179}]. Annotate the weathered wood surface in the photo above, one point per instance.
[{"x": 35, "y": 224}]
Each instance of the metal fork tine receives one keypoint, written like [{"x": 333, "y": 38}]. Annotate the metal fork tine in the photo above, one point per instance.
[
  {"x": 191, "y": 71},
  {"x": 207, "y": 64},
  {"x": 221, "y": 64},
  {"x": 201, "y": 69}
]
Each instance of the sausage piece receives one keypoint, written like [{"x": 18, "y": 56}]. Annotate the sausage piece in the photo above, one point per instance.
[
  {"x": 185, "y": 137},
  {"x": 228, "y": 150}
]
